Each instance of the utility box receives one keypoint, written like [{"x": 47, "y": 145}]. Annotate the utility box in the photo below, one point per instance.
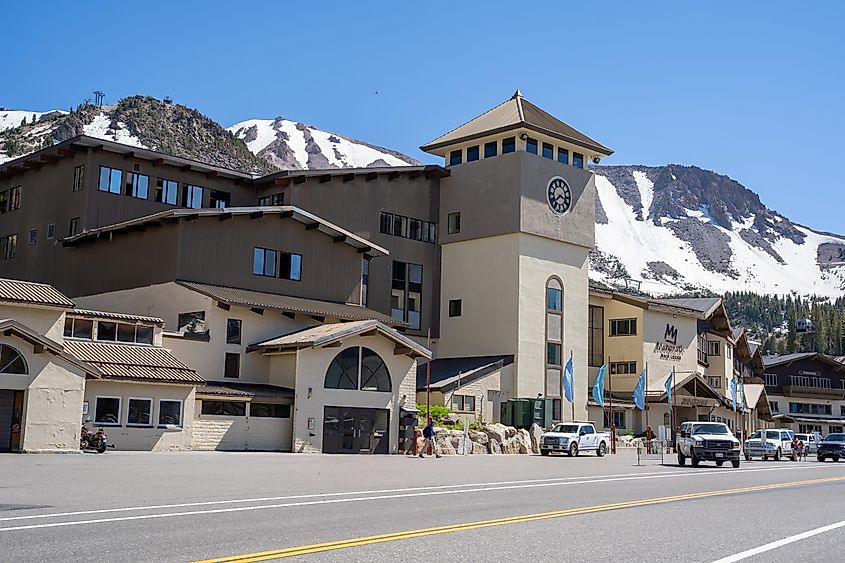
[
  {"x": 542, "y": 412},
  {"x": 522, "y": 413},
  {"x": 506, "y": 412}
]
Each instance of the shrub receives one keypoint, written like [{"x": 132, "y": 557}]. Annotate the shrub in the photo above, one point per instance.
[{"x": 437, "y": 413}]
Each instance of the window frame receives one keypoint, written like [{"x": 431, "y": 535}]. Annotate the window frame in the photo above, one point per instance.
[
  {"x": 714, "y": 345},
  {"x": 110, "y": 188},
  {"x": 508, "y": 145},
  {"x": 231, "y": 339},
  {"x": 463, "y": 400},
  {"x": 149, "y": 401},
  {"x": 135, "y": 185},
  {"x": 264, "y": 252},
  {"x": 592, "y": 337},
  {"x": 78, "y": 178},
  {"x": 252, "y": 405},
  {"x": 181, "y": 413},
  {"x": 551, "y": 150},
  {"x": 532, "y": 145},
  {"x": 578, "y": 160},
  {"x": 473, "y": 153},
  {"x": 494, "y": 145},
  {"x": 565, "y": 153},
  {"x": 455, "y": 308},
  {"x": 456, "y": 157},
  {"x": 222, "y": 404},
  {"x": 189, "y": 195},
  {"x": 163, "y": 191},
  {"x": 453, "y": 222},
  {"x": 226, "y": 365},
  {"x": 616, "y": 323},
  {"x": 286, "y": 260},
  {"x": 119, "y": 410},
  {"x": 552, "y": 346}
]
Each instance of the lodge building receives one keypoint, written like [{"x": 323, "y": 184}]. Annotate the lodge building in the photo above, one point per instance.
[{"x": 289, "y": 311}]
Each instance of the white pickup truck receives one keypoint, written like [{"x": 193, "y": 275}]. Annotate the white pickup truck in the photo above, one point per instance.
[
  {"x": 707, "y": 441},
  {"x": 574, "y": 437}
]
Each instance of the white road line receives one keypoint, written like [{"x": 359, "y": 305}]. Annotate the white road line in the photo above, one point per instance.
[
  {"x": 426, "y": 492},
  {"x": 375, "y": 491},
  {"x": 780, "y": 543}
]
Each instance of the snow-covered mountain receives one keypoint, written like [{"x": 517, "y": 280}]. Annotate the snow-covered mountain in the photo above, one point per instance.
[
  {"x": 673, "y": 229},
  {"x": 10, "y": 118},
  {"x": 294, "y": 145}
]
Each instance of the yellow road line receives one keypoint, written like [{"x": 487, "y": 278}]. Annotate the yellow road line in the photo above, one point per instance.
[{"x": 408, "y": 534}]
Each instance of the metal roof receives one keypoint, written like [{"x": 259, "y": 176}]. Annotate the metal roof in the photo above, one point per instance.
[
  {"x": 245, "y": 390},
  {"x": 326, "y": 174},
  {"x": 512, "y": 114},
  {"x": 174, "y": 215},
  {"x": 19, "y": 291},
  {"x": 330, "y": 333},
  {"x": 133, "y": 362},
  {"x": 771, "y": 361},
  {"x": 448, "y": 373},
  {"x": 42, "y": 343},
  {"x": 116, "y": 316},
  {"x": 287, "y": 303}
]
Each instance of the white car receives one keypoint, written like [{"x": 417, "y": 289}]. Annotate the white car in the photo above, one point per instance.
[
  {"x": 707, "y": 441},
  {"x": 775, "y": 444},
  {"x": 574, "y": 437}
]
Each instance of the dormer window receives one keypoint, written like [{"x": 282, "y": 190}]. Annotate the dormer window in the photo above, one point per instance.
[{"x": 455, "y": 157}]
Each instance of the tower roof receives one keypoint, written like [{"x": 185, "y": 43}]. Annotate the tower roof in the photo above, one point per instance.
[{"x": 514, "y": 113}]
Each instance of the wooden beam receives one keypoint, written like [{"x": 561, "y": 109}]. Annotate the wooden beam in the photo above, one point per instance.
[
  {"x": 300, "y": 180},
  {"x": 414, "y": 174},
  {"x": 341, "y": 238},
  {"x": 37, "y": 348},
  {"x": 211, "y": 174},
  {"x": 224, "y": 306},
  {"x": 312, "y": 226},
  {"x": 256, "y": 215},
  {"x": 371, "y": 176},
  {"x": 400, "y": 350},
  {"x": 333, "y": 344},
  {"x": 348, "y": 177},
  {"x": 97, "y": 148},
  {"x": 158, "y": 162},
  {"x": 257, "y": 310},
  {"x": 318, "y": 318},
  {"x": 371, "y": 332},
  {"x": 393, "y": 175},
  {"x": 137, "y": 228},
  {"x": 286, "y": 214},
  {"x": 325, "y": 178},
  {"x": 289, "y": 314},
  {"x": 364, "y": 250},
  {"x": 283, "y": 182},
  {"x": 186, "y": 168},
  {"x": 192, "y": 217},
  {"x": 128, "y": 155},
  {"x": 225, "y": 216},
  {"x": 66, "y": 152}
]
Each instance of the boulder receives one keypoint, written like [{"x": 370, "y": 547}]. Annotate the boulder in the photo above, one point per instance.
[
  {"x": 445, "y": 447},
  {"x": 478, "y": 448},
  {"x": 511, "y": 446},
  {"x": 493, "y": 446},
  {"x": 496, "y": 432},
  {"x": 510, "y": 431},
  {"x": 479, "y": 437},
  {"x": 536, "y": 437},
  {"x": 524, "y": 439},
  {"x": 451, "y": 418}
]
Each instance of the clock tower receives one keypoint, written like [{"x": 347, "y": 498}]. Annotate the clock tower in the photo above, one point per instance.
[{"x": 517, "y": 222}]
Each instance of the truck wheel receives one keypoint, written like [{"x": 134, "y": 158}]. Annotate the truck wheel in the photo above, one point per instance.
[
  {"x": 682, "y": 459},
  {"x": 602, "y": 449},
  {"x": 694, "y": 460},
  {"x": 544, "y": 452},
  {"x": 735, "y": 463},
  {"x": 777, "y": 455},
  {"x": 573, "y": 449},
  {"x": 835, "y": 458},
  {"x": 719, "y": 463},
  {"x": 820, "y": 458}
]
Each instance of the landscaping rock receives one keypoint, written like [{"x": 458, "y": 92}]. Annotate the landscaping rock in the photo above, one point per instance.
[
  {"x": 446, "y": 447},
  {"x": 451, "y": 418},
  {"x": 536, "y": 437},
  {"x": 478, "y": 449},
  {"x": 511, "y": 431},
  {"x": 524, "y": 441},
  {"x": 493, "y": 446},
  {"x": 479, "y": 437},
  {"x": 496, "y": 432},
  {"x": 511, "y": 446}
]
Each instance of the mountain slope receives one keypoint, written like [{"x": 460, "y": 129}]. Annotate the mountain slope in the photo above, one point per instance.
[
  {"x": 294, "y": 145},
  {"x": 680, "y": 228}
]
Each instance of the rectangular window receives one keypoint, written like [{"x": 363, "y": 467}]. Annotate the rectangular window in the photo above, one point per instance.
[
  {"x": 415, "y": 229},
  {"x": 8, "y": 246},
  {"x": 554, "y": 299},
  {"x": 454, "y": 222},
  {"x": 107, "y": 331},
  {"x": 386, "y": 223},
  {"x": 111, "y": 180},
  {"x": 714, "y": 382},
  {"x": 365, "y": 281},
  {"x": 455, "y": 307},
  {"x": 400, "y": 226},
  {"x": 277, "y": 199},
  {"x": 472, "y": 153},
  {"x": 463, "y": 403},
  {"x": 595, "y": 336},
  {"x": 810, "y": 408},
  {"x": 51, "y": 231},
  {"x": 191, "y": 323},
  {"x": 623, "y": 327},
  {"x": 508, "y": 145},
  {"x": 125, "y": 333},
  {"x": 83, "y": 328},
  {"x": 773, "y": 406},
  {"x": 406, "y": 293},
  {"x": 771, "y": 379},
  {"x": 713, "y": 348},
  {"x": 139, "y": 185},
  {"x": 553, "y": 354},
  {"x": 79, "y": 178},
  {"x": 15, "y": 198},
  {"x": 618, "y": 419},
  {"x": 170, "y": 413},
  {"x": 107, "y": 411},
  {"x": 562, "y": 155},
  {"x": 531, "y": 145},
  {"x": 192, "y": 196},
  {"x": 548, "y": 151},
  {"x": 491, "y": 149},
  {"x": 233, "y": 331},
  {"x": 232, "y": 367},
  {"x": 224, "y": 408},
  {"x": 291, "y": 266},
  {"x": 166, "y": 191},
  {"x": 143, "y": 334},
  {"x": 219, "y": 200},
  {"x": 264, "y": 262},
  {"x": 263, "y": 201},
  {"x": 73, "y": 228},
  {"x": 269, "y": 410},
  {"x": 623, "y": 368},
  {"x": 455, "y": 157},
  {"x": 4, "y": 201},
  {"x": 140, "y": 412},
  {"x": 577, "y": 160},
  {"x": 834, "y": 429}
]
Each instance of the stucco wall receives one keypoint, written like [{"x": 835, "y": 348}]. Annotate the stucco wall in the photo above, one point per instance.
[
  {"x": 49, "y": 322},
  {"x": 137, "y": 438}
]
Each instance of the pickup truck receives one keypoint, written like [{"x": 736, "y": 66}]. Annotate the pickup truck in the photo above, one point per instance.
[
  {"x": 833, "y": 447},
  {"x": 573, "y": 437},
  {"x": 775, "y": 444},
  {"x": 707, "y": 441}
]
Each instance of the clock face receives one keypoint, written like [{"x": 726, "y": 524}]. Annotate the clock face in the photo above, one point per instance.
[{"x": 559, "y": 195}]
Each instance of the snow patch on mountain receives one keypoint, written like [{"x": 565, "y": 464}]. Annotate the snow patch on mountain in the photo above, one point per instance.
[
  {"x": 13, "y": 118},
  {"x": 102, "y": 128}
]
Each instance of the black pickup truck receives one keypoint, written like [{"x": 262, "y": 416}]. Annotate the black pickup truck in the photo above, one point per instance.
[{"x": 833, "y": 447}]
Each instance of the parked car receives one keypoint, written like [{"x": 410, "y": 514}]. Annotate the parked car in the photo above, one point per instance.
[
  {"x": 775, "y": 444},
  {"x": 832, "y": 446},
  {"x": 810, "y": 444},
  {"x": 574, "y": 437},
  {"x": 707, "y": 441}
]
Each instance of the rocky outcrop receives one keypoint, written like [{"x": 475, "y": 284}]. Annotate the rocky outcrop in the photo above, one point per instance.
[
  {"x": 536, "y": 437},
  {"x": 492, "y": 439}
]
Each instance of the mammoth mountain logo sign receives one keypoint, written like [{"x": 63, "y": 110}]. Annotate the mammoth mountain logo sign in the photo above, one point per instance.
[
  {"x": 668, "y": 349},
  {"x": 671, "y": 334}
]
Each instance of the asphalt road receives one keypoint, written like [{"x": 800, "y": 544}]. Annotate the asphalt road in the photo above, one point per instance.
[{"x": 193, "y": 506}]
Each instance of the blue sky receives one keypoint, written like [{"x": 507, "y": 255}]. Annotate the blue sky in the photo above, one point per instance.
[{"x": 751, "y": 90}]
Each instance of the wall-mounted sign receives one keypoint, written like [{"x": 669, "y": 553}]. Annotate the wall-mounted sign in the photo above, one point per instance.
[
  {"x": 310, "y": 424},
  {"x": 669, "y": 352},
  {"x": 671, "y": 334},
  {"x": 559, "y": 195},
  {"x": 687, "y": 401},
  {"x": 84, "y": 408}
]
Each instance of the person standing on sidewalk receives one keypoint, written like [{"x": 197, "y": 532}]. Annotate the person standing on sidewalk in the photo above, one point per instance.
[{"x": 428, "y": 434}]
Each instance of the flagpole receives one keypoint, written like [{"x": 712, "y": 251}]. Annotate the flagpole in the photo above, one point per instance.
[
  {"x": 612, "y": 422},
  {"x": 572, "y": 404},
  {"x": 645, "y": 402},
  {"x": 672, "y": 414}
]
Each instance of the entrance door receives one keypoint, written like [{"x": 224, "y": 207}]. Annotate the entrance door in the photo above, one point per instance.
[
  {"x": 351, "y": 430},
  {"x": 7, "y": 420}
]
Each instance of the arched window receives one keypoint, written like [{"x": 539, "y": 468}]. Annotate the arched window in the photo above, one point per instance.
[
  {"x": 374, "y": 374},
  {"x": 11, "y": 361},
  {"x": 358, "y": 365}
]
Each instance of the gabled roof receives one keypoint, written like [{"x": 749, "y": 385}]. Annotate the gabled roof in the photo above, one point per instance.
[
  {"x": 115, "y": 316},
  {"x": 245, "y": 390},
  {"x": 132, "y": 362},
  {"x": 772, "y": 361},
  {"x": 690, "y": 381},
  {"x": 287, "y": 303},
  {"x": 40, "y": 343},
  {"x": 697, "y": 308},
  {"x": 327, "y": 334},
  {"x": 286, "y": 211},
  {"x": 755, "y": 398},
  {"x": 450, "y": 373},
  {"x": 26, "y": 292},
  {"x": 515, "y": 113}
]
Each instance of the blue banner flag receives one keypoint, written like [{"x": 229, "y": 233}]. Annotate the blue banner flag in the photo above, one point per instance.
[
  {"x": 598, "y": 388},
  {"x": 668, "y": 387},
  {"x": 639, "y": 392},
  {"x": 567, "y": 381},
  {"x": 733, "y": 392},
  {"x": 742, "y": 396}
]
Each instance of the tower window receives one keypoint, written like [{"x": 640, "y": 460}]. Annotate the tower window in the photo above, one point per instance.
[
  {"x": 531, "y": 145},
  {"x": 548, "y": 151},
  {"x": 490, "y": 149},
  {"x": 472, "y": 153},
  {"x": 577, "y": 160},
  {"x": 562, "y": 155},
  {"x": 508, "y": 145},
  {"x": 455, "y": 307},
  {"x": 455, "y": 157}
]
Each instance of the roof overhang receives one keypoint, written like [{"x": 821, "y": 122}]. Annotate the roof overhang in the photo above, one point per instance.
[
  {"x": 40, "y": 344},
  {"x": 284, "y": 177}
]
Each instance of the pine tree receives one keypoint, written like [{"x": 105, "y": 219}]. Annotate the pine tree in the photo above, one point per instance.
[{"x": 791, "y": 334}]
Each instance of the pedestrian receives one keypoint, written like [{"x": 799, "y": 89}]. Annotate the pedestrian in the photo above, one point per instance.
[{"x": 428, "y": 434}]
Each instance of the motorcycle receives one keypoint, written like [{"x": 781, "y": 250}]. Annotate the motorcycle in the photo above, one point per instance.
[{"x": 91, "y": 440}]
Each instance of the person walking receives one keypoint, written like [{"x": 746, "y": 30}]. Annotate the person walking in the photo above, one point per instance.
[{"x": 428, "y": 434}]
